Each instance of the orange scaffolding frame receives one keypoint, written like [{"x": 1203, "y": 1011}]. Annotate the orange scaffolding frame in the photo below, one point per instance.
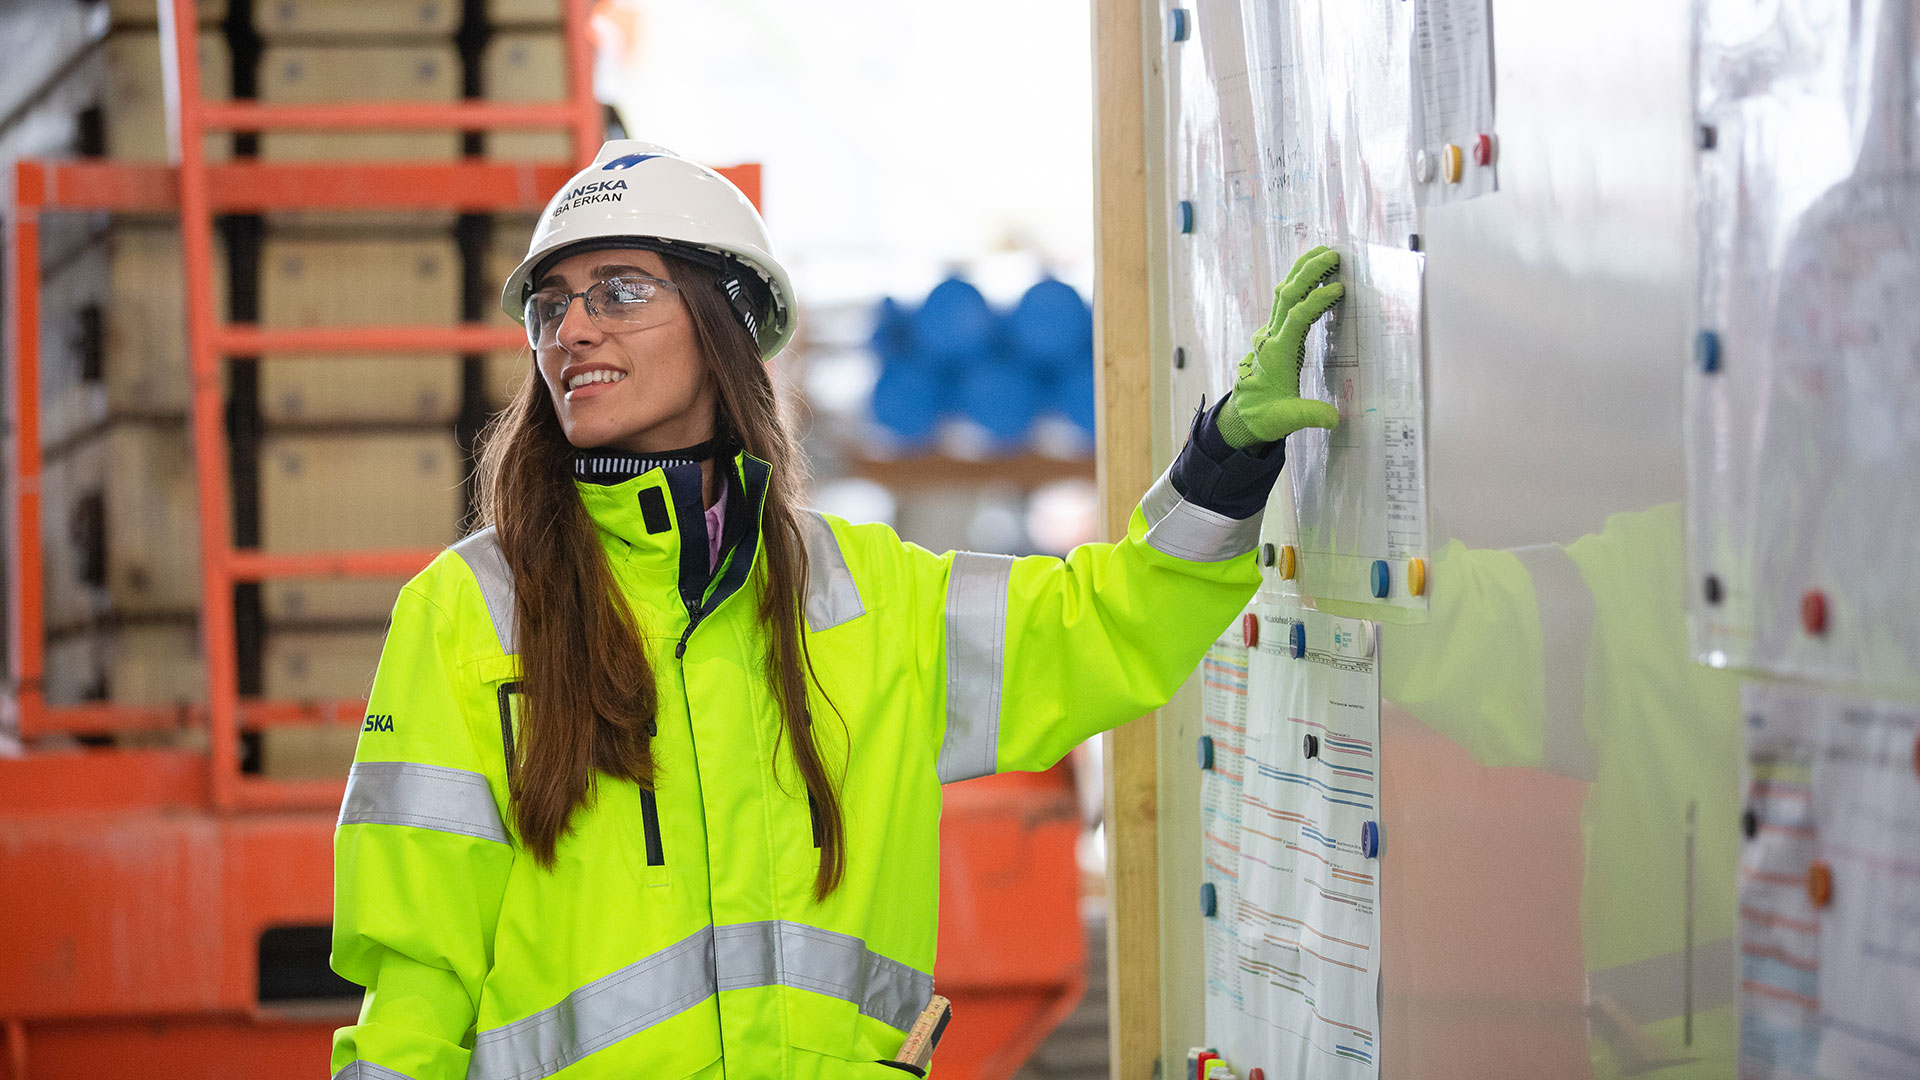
[{"x": 199, "y": 190}]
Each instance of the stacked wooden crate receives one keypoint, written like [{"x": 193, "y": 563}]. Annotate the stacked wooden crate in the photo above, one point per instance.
[
  {"x": 329, "y": 452},
  {"x": 122, "y": 585}
]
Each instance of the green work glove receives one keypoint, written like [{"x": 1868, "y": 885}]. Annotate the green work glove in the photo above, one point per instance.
[{"x": 1266, "y": 405}]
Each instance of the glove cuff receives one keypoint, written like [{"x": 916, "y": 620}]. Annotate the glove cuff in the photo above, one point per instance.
[{"x": 1234, "y": 429}]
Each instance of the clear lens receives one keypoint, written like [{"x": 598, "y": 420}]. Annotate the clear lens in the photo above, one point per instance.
[{"x": 614, "y": 305}]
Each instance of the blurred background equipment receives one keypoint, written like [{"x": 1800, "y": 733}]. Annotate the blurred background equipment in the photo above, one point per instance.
[{"x": 246, "y": 389}]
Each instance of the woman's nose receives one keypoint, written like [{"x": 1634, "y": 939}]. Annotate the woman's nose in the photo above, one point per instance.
[{"x": 576, "y": 327}]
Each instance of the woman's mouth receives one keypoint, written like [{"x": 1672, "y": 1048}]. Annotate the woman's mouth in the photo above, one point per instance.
[{"x": 589, "y": 383}]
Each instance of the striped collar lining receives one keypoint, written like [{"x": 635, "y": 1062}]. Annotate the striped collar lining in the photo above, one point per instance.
[{"x": 605, "y": 466}]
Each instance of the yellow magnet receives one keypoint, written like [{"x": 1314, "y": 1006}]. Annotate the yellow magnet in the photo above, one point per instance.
[
  {"x": 1287, "y": 562},
  {"x": 1417, "y": 577},
  {"x": 1453, "y": 163}
]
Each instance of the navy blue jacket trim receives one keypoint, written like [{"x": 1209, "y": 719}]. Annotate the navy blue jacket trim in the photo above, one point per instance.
[{"x": 1212, "y": 474}]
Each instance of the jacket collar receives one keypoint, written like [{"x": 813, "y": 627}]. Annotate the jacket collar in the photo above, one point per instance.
[{"x": 659, "y": 519}]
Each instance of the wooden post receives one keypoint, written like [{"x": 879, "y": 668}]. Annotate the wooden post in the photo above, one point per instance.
[{"x": 1122, "y": 333}]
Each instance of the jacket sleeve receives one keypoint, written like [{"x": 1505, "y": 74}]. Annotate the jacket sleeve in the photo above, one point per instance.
[
  {"x": 1043, "y": 652},
  {"x": 421, "y": 858}
]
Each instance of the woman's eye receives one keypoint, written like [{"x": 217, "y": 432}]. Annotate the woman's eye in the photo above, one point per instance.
[{"x": 630, "y": 292}]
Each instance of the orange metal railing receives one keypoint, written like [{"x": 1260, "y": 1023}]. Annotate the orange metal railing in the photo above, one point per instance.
[{"x": 198, "y": 190}]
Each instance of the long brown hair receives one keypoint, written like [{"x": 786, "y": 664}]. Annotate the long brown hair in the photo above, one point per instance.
[{"x": 583, "y": 718}]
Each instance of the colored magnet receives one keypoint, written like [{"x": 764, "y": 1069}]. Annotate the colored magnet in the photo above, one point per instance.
[
  {"x": 1269, "y": 554},
  {"x": 1250, "y": 630},
  {"x": 1201, "y": 1061},
  {"x": 1417, "y": 577},
  {"x": 1707, "y": 137},
  {"x": 1179, "y": 358},
  {"x": 1289, "y": 562},
  {"x": 1713, "y": 590},
  {"x": 1209, "y": 902},
  {"x": 1256, "y": 1073},
  {"x": 1706, "y": 351},
  {"x": 1382, "y": 579},
  {"x": 1813, "y": 612},
  {"x": 1483, "y": 150},
  {"x": 1424, "y": 167},
  {"x": 1186, "y": 216},
  {"x": 1916, "y": 757},
  {"x": 1206, "y": 751},
  {"x": 1820, "y": 883},
  {"x": 1750, "y": 824},
  {"x": 1311, "y": 745},
  {"x": 1180, "y": 27},
  {"x": 1297, "y": 640},
  {"x": 1370, "y": 839},
  {"x": 1453, "y": 163}
]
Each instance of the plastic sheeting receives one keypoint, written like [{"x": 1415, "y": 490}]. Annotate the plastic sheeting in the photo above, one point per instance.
[
  {"x": 1291, "y": 128},
  {"x": 1290, "y": 806},
  {"x": 1804, "y": 399}
]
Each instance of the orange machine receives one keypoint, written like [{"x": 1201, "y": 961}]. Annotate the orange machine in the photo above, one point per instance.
[{"x": 163, "y": 913}]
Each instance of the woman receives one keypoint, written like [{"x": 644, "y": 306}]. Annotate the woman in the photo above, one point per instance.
[{"x": 660, "y": 794}]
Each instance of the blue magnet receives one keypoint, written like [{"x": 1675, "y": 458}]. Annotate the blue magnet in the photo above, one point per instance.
[
  {"x": 1208, "y": 903},
  {"x": 1206, "y": 751},
  {"x": 1706, "y": 349},
  {"x": 1180, "y": 29},
  {"x": 1297, "y": 640},
  {"x": 1186, "y": 216},
  {"x": 1382, "y": 579},
  {"x": 1370, "y": 839},
  {"x": 1310, "y": 745}
]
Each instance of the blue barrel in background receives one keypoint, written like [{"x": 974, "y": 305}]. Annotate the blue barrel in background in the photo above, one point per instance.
[
  {"x": 1051, "y": 327},
  {"x": 910, "y": 398},
  {"x": 892, "y": 332},
  {"x": 955, "y": 321},
  {"x": 1001, "y": 397}
]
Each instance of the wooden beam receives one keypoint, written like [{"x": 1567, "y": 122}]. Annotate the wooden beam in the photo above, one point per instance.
[{"x": 1122, "y": 335}]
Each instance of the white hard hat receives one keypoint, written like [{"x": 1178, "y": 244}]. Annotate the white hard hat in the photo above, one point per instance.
[{"x": 639, "y": 195}]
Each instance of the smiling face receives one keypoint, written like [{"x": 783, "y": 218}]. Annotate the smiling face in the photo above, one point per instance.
[{"x": 643, "y": 390}]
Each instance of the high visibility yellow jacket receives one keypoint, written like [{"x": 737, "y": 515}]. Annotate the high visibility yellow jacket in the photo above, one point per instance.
[{"x": 679, "y": 927}]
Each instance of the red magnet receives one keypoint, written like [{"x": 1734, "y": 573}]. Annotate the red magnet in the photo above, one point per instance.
[
  {"x": 1820, "y": 883},
  {"x": 1483, "y": 150},
  {"x": 1250, "y": 630},
  {"x": 1916, "y": 756},
  {"x": 1813, "y": 612}
]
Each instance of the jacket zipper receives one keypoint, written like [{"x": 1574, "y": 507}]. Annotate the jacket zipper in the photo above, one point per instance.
[{"x": 650, "y": 816}]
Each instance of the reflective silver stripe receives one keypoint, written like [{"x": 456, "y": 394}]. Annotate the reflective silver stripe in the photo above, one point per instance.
[
  {"x": 1653, "y": 989},
  {"x": 1565, "y": 607},
  {"x": 599, "y": 1014},
  {"x": 1189, "y": 531},
  {"x": 422, "y": 796},
  {"x": 832, "y": 596},
  {"x": 780, "y": 953},
  {"x": 976, "y": 662},
  {"x": 482, "y": 553},
  {"x": 366, "y": 1070}
]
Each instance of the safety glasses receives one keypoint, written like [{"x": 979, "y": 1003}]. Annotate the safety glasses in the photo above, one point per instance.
[{"x": 627, "y": 302}]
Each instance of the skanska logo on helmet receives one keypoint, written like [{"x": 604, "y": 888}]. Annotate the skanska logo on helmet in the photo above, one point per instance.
[
  {"x": 597, "y": 192},
  {"x": 627, "y": 162}
]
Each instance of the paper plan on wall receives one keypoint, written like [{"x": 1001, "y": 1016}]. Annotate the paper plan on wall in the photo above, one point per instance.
[
  {"x": 1830, "y": 888},
  {"x": 1453, "y": 101},
  {"x": 1361, "y": 488},
  {"x": 1802, "y": 396},
  {"x": 1292, "y": 128},
  {"x": 1292, "y": 951}
]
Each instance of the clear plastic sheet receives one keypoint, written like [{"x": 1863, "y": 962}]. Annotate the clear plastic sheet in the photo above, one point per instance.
[
  {"x": 1804, "y": 437},
  {"x": 1291, "y": 128},
  {"x": 1456, "y": 154}
]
